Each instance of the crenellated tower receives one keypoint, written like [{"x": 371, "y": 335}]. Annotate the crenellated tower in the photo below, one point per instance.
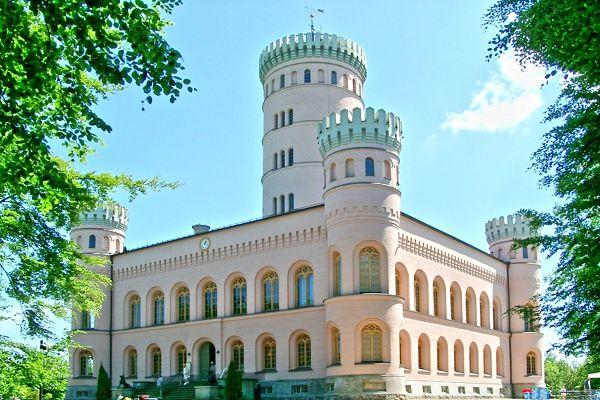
[
  {"x": 305, "y": 77},
  {"x": 524, "y": 284},
  {"x": 100, "y": 232}
]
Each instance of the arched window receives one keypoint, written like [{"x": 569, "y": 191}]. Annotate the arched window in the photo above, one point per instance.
[
  {"x": 369, "y": 167},
  {"x": 336, "y": 346},
  {"x": 442, "y": 355},
  {"x": 290, "y": 157},
  {"x": 487, "y": 360},
  {"x": 420, "y": 355},
  {"x": 158, "y": 308},
  {"x": 270, "y": 284},
  {"x": 282, "y": 156},
  {"x": 183, "y": 304},
  {"x": 332, "y": 174},
  {"x": 105, "y": 243},
  {"x": 496, "y": 315},
  {"x": 281, "y": 81},
  {"x": 333, "y": 78},
  {"x": 436, "y": 301},
  {"x": 371, "y": 338},
  {"x": 269, "y": 353},
  {"x": 404, "y": 347},
  {"x": 531, "y": 364},
  {"x": 473, "y": 359},
  {"x": 452, "y": 304},
  {"x": 272, "y": 85},
  {"x": 501, "y": 254},
  {"x": 321, "y": 76},
  {"x": 349, "y": 168},
  {"x": 237, "y": 354},
  {"x": 132, "y": 359},
  {"x": 276, "y": 121},
  {"x": 210, "y": 300},
  {"x": 369, "y": 271},
  {"x": 304, "y": 351},
  {"x": 86, "y": 320},
  {"x": 459, "y": 357},
  {"x": 354, "y": 85},
  {"x": 238, "y": 295},
  {"x": 118, "y": 246},
  {"x": 282, "y": 119},
  {"x": 291, "y": 202},
  {"x": 275, "y": 161},
  {"x": 499, "y": 362},
  {"x": 290, "y": 116},
  {"x": 281, "y": 204},
  {"x": 387, "y": 170},
  {"x": 156, "y": 362},
  {"x": 417, "y": 294},
  {"x": 274, "y": 205},
  {"x": 337, "y": 274},
  {"x": 345, "y": 81},
  {"x": 304, "y": 286},
  {"x": 423, "y": 353},
  {"x": 525, "y": 252},
  {"x": 134, "y": 310},
  {"x": 181, "y": 358},
  {"x": 92, "y": 242},
  {"x": 470, "y": 306},
  {"x": 307, "y": 76},
  {"x": 86, "y": 364},
  {"x": 294, "y": 78}
]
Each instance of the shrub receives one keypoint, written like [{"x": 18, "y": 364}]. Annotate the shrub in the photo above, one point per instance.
[{"x": 233, "y": 383}]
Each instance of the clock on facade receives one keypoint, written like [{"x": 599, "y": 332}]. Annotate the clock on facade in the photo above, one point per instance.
[{"x": 205, "y": 244}]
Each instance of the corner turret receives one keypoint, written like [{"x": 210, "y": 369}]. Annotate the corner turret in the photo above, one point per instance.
[{"x": 102, "y": 230}]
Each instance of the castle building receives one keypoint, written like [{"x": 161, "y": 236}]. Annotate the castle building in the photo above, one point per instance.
[{"x": 334, "y": 289}]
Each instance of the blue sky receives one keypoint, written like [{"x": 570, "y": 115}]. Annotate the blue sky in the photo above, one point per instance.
[{"x": 470, "y": 126}]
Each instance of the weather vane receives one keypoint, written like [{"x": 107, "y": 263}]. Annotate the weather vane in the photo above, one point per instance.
[{"x": 312, "y": 13}]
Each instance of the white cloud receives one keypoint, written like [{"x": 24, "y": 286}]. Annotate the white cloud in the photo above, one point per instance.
[{"x": 506, "y": 99}]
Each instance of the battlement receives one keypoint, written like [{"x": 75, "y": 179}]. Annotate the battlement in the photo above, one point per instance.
[
  {"x": 513, "y": 227},
  {"x": 340, "y": 129},
  {"x": 111, "y": 215},
  {"x": 312, "y": 44}
]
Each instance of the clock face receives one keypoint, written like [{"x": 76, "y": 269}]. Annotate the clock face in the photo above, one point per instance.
[{"x": 205, "y": 244}]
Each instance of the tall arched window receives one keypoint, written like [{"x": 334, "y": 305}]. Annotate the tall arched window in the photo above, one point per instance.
[
  {"x": 304, "y": 286},
  {"x": 531, "y": 363},
  {"x": 181, "y": 357},
  {"x": 134, "y": 310},
  {"x": 132, "y": 359},
  {"x": 92, "y": 242},
  {"x": 210, "y": 300},
  {"x": 294, "y": 78},
  {"x": 290, "y": 116},
  {"x": 420, "y": 356},
  {"x": 291, "y": 202},
  {"x": 499, "y": 362},
  {"x": 272, "y": 85},
  {"x": 321, "y": 76},
  {"x": 345, "y": 81},
  {"x": 417, "y": 294},
  {"x": 369, "y": 167},
  {"x": 281, "y": 81},
  {"x": 337, "y": 274},
  {"x": 423, "y": 352},
  {"x": 281, "y": 204},
  {"x": 237, "y": 354},
  {"x": 332, "y": 172},
  {"x": 118, "y": 246},
  {"x": 156, "y": 362},
  {"x": 183, "y": 304},
  {"x": 371, "y": 338},
  {"x": 275, "y": 165},
  {"x": 282, "y": 119},
  {"x": 269, "y": 354},
  {"x": 270, "y": 284},
  {"x": 276, "y": 121},
  {"x": 274, "y": 205},
  {"x": 369, "y": 271},
  {"x": 354, "y": 85},
  {"x": 473, "y": 359},
  {"x": 349, "y": 168},
  {"x": 336, "y": 346},
  {"x": 307, "y": 76},
  {"x": 282, "y": 156},
  {"x": 238, "y": 288},
  {"x": 459, "y": 357},
  {"x": 290, "y": 157},
  {"x": 436, "y": 301},
  {"x": 452, "y": 304},
  {"x": 304, "y": 351},
  {"x": 158, "y": 308},
  {"x": 525, "y": 252},
  {"x": 86, "y": 320},
  {"x": 387, "y": 170},
  {"x": 333, "y": 78},
  {"x": 86, "y": 364}
]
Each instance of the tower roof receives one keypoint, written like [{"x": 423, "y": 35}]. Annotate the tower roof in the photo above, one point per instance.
[
  {"x": 312, "y": 44},
  {"x": 513, "y": 227},
  {"x": 105, "y": 215}
]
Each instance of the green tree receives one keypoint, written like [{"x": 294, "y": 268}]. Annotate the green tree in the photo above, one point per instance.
[
  {"x": 24, "y": 370},
  {"x": 59, "y": 59},
  {"x": 233, "y": 383},
  {"x": 103, "y": 385},
  {"x": 562, "y": 36}
]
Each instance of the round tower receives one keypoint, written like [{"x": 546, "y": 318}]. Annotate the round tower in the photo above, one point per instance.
[
  {"x": 304, "y": 76},
  {"x": 524, "y": 284},
  {"x": 360, "y": 151},
  {"x": 101, "y": 231}
]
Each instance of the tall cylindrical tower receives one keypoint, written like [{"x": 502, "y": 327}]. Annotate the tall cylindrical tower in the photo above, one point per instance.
[
  {"x": 524, "y": 285},
  {"x": 360, "y": 153},
  {"x": 100, "y": 232},
  {"x": 305, "y": 77}
]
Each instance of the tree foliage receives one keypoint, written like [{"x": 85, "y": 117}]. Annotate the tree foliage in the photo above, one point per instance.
[
  {"x": 233, "y": 383},
  {"x": 25, "y": 369},
  {"x": 58, "y": 59},
  {"x": 562, "y": 36},
  {"x": 559, "y": 374},
  {"x": 103, "y": 385}
]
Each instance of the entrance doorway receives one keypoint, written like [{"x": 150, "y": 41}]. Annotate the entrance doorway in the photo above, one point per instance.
[{"x": 206, "y": 355}]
